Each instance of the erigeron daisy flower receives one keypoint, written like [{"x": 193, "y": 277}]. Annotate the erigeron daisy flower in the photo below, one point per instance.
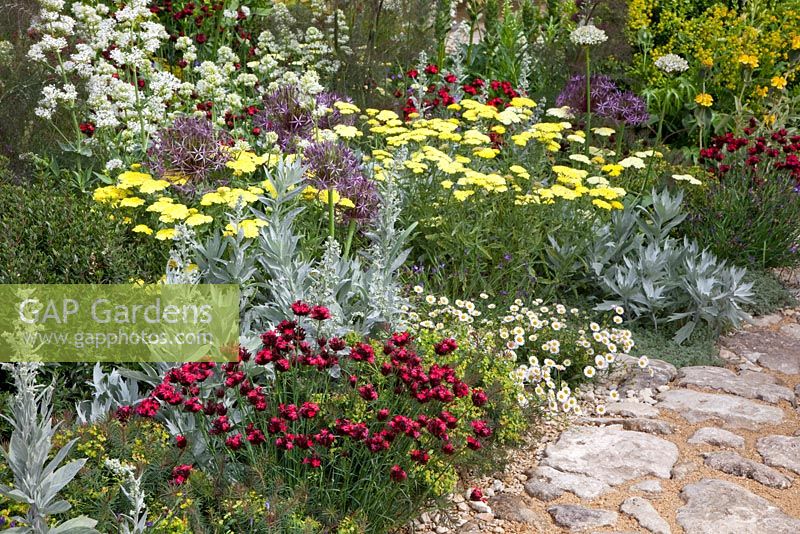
[
  {"x": 643, "y": 361},
  {"x": 600, "y": 409},
  {"x": 588, "y": 35},
  {"x": 562, "y": 396},
  {"x": 484, "y": 296},
  {"x": 617, "y": 319},
  {"x": 430, "y": 299},
  {"x": 610, "y": 357},
  {"x": 613, "y": 395},
  {"x": 589, "y": 371},
  {"x": 671, "y": 63},
  {"x": 418, "y": 290}
]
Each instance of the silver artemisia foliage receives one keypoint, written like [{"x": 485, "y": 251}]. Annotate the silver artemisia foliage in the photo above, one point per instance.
[{"x": 637, "y": 265}]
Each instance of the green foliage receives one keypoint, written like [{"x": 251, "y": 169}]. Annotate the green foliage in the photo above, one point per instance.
[
  {"x": 769, "y": 294},
  {"x": 748, "y": 219},
  {"x": 699, "y": 349},
  {"x": 50, "y": 233}
]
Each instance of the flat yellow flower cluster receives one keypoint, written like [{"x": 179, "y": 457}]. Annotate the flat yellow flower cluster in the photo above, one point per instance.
[
  {"x": 152, "y": 208},
  {"x": 479, "y": 150}
]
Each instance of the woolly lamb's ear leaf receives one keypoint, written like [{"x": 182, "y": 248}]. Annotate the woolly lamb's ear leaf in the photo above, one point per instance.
[
  {"x": 57, "y": 507},
  {"x": 76, "y": 525},
  {"x": 57, "y": 480},
  {"x": 59, "y": 457}
]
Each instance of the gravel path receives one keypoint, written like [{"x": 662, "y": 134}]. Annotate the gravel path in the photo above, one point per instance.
[{"x": 697, "y": 450}]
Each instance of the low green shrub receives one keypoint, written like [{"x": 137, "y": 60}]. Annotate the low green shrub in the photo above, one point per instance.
[{"x": 50, "y": 233}]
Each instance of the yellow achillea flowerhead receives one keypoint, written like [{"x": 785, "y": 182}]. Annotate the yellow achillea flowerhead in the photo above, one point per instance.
[
  {"x": 142, "y": 229},
  {"x": 704, "y": 99}
]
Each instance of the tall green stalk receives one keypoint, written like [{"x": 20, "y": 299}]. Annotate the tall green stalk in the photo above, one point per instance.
[
  {"x": 588, "y": 101},
  {"x": 331, "y": 215}
]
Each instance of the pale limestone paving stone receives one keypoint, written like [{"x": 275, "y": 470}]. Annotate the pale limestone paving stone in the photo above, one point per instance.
[
  {"x": 683, "y": 469},
  {"x": 648, "y": 486},
  {"x": 774, "y": 351},
  {"x": 717, "y": 437},
  {"x": 733, "y": 411},
  {"x": 644, "y": 513},
  {"x": 719, "y": 507},
  {"x": 513, "y": 508},
  {"x": 790, "y": 330},
  {"x": 630, "y": 408},
  {"x": 747, "y": 384},
  {"x": 579, "y": 518},
  {"x": 583, "y": 486},
  {"x": 731, "y": 463},
  {"x": 625, "y": 455},
  {"x": 626, "y": 374},
  {"x": 651, "y": 426},
  {"x": 544, "y": 491},
  {"x": 780, "y": 451},
  {"x": 766, "y": 320}
]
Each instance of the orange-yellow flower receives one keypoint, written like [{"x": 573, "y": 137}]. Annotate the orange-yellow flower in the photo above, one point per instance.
[
  {"x": 704, "y": 99},
  {"x": 749, "y": 60},
  {"x": 778, "y": 82}
]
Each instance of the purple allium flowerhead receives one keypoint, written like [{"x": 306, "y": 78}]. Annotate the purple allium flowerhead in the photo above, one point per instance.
[
  {"x": 191, "y": 147},
  {"x": 608, "y": 101},
  {"x": 332, "y": 165},
  {"x": 292, "y": 117}
]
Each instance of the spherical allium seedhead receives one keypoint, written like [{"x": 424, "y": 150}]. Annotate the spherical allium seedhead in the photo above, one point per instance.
[
  {"x": 293, "y": 116},
  {"x": 191, "y": 148},
  {"x": 672, "y": 63},
  {"x": 608, "y": 101},
  {"x": 332, "y": 165},
  {"x": 588, "y": 35}
]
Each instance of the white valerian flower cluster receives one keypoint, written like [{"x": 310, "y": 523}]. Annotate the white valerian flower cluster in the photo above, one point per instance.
[
  {"x": 6, "y": 53},
  {"x": 588, "y": 35},
  {"x": 117, "y": 82},
  {"x": 672, "y": 63}
]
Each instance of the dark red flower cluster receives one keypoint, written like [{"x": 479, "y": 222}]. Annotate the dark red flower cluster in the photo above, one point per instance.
[
  {"x": 440, "y": 90},
  {"x": 404, "y": 409},
  {"x": 180, "y": 473},
  {"x": 754, "y": 155}
]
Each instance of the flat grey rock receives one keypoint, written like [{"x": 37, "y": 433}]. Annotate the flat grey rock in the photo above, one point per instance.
[
  {"x": 648, "y": 486},
  {"x": 628, "y": 376},
  {"x": 790, "y": 330},
  {"x": 751, "y": 385},
  {"x": 731, "y": 463},
  {"x": 647, "y": 516},
  {"x": 772, "y": 350},
  {"x": 611, "y": 454},
  {"x": 637, "y": 424},
  {"x": 719, "y": 507},
  {"x": 544, "y": 491},
  {"x": 510, "y": 507},
  {"x": 584, "y": 486},
  {"x": 717, "y": 437},
  {"x": 630, "y": 408},
  {"x": 579, "y": 518},
  {"x": 780, "y": 451},
  {"x": 766, "y": 320},
  {"x": 683, "y": 469},
  {"x": 697, "y": 406}
]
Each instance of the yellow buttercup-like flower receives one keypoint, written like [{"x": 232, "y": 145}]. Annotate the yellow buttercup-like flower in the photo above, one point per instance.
[
  {"x": 704, "y": 99},
  {"x": 778, "y": 82},
  {"x": 749, "y": 60}
]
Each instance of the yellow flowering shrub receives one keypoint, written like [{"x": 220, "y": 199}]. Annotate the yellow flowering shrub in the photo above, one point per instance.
[{"x": 722, "y": 41}]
